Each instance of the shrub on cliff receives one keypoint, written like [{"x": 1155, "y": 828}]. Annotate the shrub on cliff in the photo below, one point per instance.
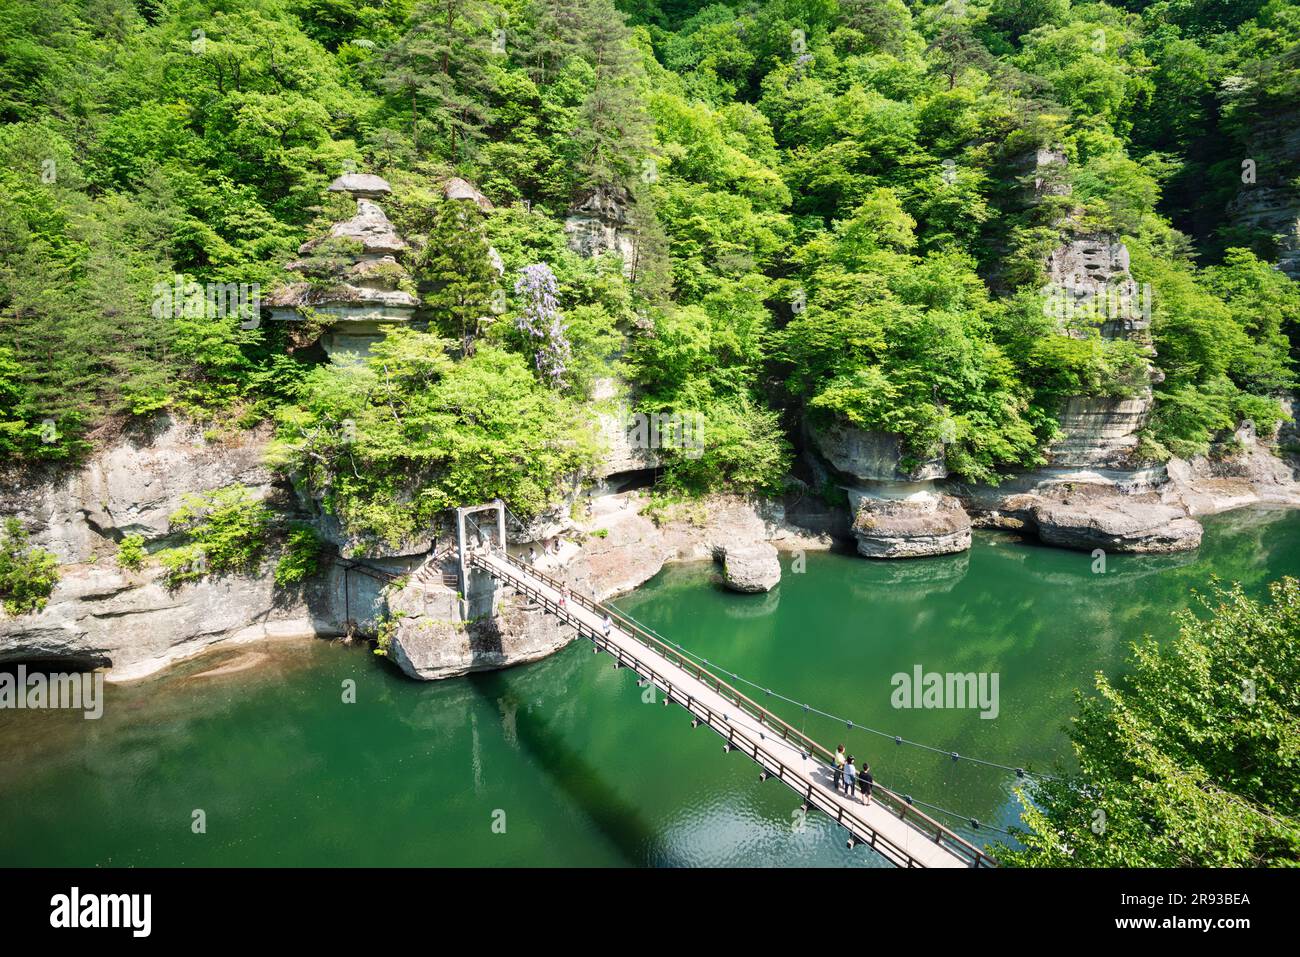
[
  {"x": 301, "y": 558},
  {"x": 131, "y": 553},
  {"x": 390, "y": 442},
  {"x": 227, "y": 530},
  {"x": 27, "y": 574}
]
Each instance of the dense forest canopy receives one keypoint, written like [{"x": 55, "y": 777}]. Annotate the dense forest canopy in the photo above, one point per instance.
[{"x": 829, "y": 200}]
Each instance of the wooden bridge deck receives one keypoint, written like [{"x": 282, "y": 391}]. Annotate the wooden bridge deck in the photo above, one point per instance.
[{"x": 897, "y": 830}]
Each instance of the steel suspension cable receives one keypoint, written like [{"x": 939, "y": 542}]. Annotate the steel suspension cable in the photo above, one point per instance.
[{"x": 849, "y": 723}]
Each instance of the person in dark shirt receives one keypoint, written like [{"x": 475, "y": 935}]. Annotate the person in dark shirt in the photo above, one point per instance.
[{"x": 865, "y": 780}]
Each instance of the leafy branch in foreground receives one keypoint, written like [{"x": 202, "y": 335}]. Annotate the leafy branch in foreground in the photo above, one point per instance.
[{"x": 1191, "y": 761}]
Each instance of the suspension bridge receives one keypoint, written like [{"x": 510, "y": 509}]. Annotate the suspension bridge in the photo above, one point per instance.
[{"x": 891, "y": 824}]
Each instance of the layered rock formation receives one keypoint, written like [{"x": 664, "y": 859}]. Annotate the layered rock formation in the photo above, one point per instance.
[
  {"x": 1272, "y": 211},
  {"x": 868, "y": 457},
  {"x": 433, "y": 634},
  {"x": 1091, "y": 291},
  {"x": 135, "y": 625},
  {"x": 1100, "y": 432},
  {"x": 352, "y": 279},
  {"x": 1269, "y": 206},
  {"x": 750, "y": 568},
  {"x": 1119, "y": 525},
  {"x": 622, "y": 453},
  {"x": 1093, "y": 493},
  {"x": 897, "y": 510},
  {"x": 130, "y": 487},
  {"x": 598, "y": 223},
  {"x": 132, "y": 622},
  {"x": 909, "y": 528}
]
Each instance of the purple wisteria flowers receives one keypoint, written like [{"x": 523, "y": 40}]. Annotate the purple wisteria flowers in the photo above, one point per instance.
[{"x": 540, "y": 319}]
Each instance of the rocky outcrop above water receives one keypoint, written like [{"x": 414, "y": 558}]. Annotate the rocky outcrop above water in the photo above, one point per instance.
[
  {"x": 135, "y": 625},
  {"x": 750, "y": 568},
  {"x": 622, "y": 547},
  {"x": 896, "y": 506},
  {"x": 131, "y": 486},
  {"x": 866, "y": 456},
  {"x": 1091, "y": 291},
  {"x": 433, "y": 634},
  {"x": 915, "y": 527},
  {"x": 132, "y": 622},
  {"x": 1117, "y": 525},
  {"x": 1157, "y": 514},
  {"x": 1087, "y": 517},
  {"x": 610, "y": 552},
  {"x": 1093, "y": 493},
  {"x": 1247, "y": 472}
]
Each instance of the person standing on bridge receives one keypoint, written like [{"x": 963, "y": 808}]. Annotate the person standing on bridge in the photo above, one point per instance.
[
  {"x": 839, "y": 766},
  {"x": 607, "y": 625},
  {"x": 850, "y": 777},
  {"x": 865, "y": 780}
]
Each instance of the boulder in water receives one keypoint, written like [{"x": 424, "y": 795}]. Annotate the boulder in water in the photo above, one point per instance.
[
  {"x": 750, "y": 568},
  {"x": 911, "y": 527}
]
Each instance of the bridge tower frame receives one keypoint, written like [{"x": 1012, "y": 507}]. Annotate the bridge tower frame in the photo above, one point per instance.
[{"x": 462, "y": 513}]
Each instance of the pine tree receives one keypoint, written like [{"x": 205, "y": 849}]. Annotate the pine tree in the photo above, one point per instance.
[
  {"x": 440, "y": 67},
  {"x": 455, "y": 272},
  {"x": 613, "y": 133}
]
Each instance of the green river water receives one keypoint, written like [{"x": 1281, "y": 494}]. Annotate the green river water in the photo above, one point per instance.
[{"x": 566, "y": 759}]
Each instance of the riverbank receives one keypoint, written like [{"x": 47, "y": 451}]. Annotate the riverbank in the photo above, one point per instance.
[{"x": 135, "y": 624}]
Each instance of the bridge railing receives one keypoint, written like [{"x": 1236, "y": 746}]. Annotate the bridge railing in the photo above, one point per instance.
[{"x": 895, "y": 802}]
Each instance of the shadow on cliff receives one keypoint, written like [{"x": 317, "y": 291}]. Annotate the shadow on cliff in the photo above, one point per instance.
[{"x": 619, "y": 822}]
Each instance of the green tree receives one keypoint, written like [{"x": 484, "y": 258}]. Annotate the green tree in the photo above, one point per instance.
[
  {"x": 1193, "y": 760},
  {"x": 459, "y": 285},
  {"x": 440, "y": 68}
]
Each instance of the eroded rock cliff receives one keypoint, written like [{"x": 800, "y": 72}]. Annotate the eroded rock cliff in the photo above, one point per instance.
[{"x": 134, "y": 623}]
